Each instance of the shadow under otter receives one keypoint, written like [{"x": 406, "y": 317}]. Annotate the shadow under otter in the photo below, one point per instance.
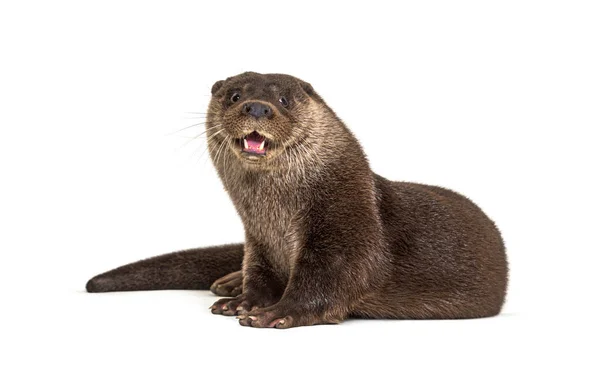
[{"x": 325, "y": 237}]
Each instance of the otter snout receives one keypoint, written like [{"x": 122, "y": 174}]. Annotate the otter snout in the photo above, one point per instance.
[{"x": 257, "y": 110}]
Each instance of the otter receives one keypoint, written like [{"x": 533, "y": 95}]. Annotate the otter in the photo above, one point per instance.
[{"x": 326, "y": 239}]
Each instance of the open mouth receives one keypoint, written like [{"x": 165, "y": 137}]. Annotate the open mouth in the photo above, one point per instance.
[{"x": 254, "y": 144}]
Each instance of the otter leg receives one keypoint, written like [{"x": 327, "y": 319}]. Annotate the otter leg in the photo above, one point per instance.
[
  {"x": 229, "y": 285},
  {"x": 262, "y": 286},
  {"x": 316, "y": 292},
  {"x": 398, "y": 304}
]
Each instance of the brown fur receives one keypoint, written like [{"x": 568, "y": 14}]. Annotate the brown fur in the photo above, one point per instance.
[{"x": 327, "y": 239}]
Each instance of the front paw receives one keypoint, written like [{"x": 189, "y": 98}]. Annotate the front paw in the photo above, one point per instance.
[
  {"x": 281, "y": 317},
  {"x": 266, "y": 319},
  {"x": 229, "y": 285},
  {"x": 238, "y": 305}
]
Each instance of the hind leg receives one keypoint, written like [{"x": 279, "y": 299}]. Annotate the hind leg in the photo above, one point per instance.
[
  {"x": 229, "y": 285},
  {"x": 425, "y": 306}
]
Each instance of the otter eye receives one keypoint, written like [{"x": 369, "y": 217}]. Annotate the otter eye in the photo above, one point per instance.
[
  {"x": 235, "y": 97},
  {"x": 283, "y": 101}
]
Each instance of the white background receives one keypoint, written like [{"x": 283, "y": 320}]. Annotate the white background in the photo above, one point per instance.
[{"x": 497, "y": 100}]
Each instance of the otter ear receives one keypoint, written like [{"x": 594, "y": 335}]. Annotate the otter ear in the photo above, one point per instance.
[
  {"x": 216, "y": 87},
  {"x": 307, "y": 88}
]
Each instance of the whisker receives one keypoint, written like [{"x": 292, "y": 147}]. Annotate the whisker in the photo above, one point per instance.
[
  {"x": 179, "y": 130},
  {"x": 207, "y": 148},
  {"x": 226, "y": 159},
  {"x": 217, "y": 157},
  {"x": 188, "y": 141},
  {"x": 211, "y": 128},
  {"x": 210, "y": 151},
  {"x": 202, "y": 154},
  {"x": 213, "y": 134}
]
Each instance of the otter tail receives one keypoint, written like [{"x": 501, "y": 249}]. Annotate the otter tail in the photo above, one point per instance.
[{"x": 194, "y": 269}]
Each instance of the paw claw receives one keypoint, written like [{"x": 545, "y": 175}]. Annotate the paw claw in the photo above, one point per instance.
[{"x": 245, "y": 322}]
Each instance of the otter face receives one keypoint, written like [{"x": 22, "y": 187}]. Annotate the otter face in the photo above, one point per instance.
[{"x": 257, "y": 116}]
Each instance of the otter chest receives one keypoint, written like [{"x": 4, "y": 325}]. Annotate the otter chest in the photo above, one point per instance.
[{"x": 269, "y": 217}]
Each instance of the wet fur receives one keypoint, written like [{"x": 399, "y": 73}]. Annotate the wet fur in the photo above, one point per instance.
[{"x": 326, "y": 238}]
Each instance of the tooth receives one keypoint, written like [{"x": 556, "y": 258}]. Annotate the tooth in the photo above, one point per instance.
[
  {"x": 245, "y": 144},
  {"x": 262, "y": 145}
]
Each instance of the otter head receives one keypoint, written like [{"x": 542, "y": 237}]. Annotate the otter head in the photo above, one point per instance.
[{"x": 258, "y": 117}]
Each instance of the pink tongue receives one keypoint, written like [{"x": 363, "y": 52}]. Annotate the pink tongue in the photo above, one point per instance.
[
  {"x": 253, "y": 143},
  {"x": 254, "y": 140}
]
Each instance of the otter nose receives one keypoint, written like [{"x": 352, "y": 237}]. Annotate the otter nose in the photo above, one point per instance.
[{"x": 257, "y": 110}]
